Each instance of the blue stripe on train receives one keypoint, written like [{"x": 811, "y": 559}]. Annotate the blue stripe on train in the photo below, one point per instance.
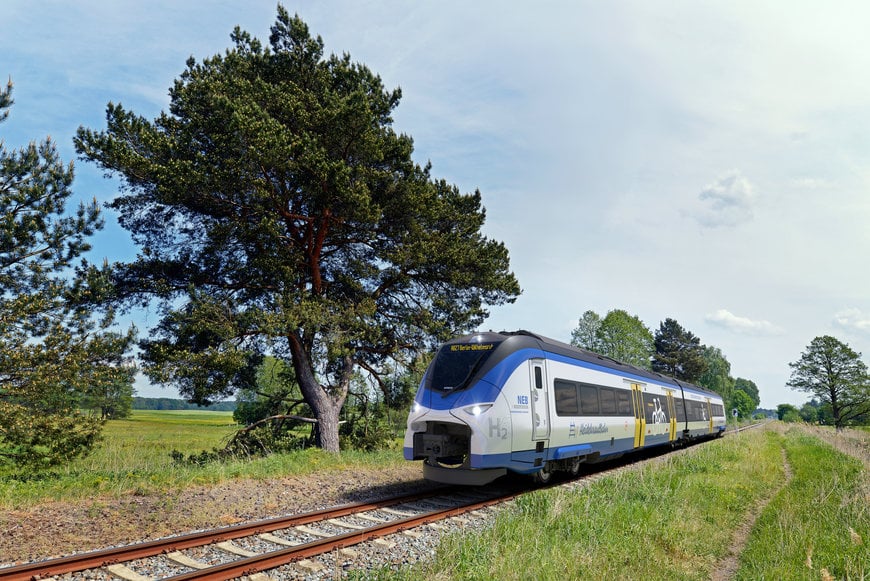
[{"x": 523, "y": 461}]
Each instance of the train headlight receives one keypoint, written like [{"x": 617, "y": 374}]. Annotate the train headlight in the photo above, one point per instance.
[
  {"x": 477, "y": 409},
  {"x": 416, "y": 408}
]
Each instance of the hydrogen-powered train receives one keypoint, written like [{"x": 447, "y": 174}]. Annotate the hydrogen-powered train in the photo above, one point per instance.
[{"x": 490, "y": 403}]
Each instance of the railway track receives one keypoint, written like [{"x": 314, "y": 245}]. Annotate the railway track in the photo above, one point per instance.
[{"x": 248, "y": 550}]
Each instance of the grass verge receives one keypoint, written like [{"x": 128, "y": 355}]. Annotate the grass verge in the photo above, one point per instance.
[
  {"x": 675, "y": 519},
  {"x": 819, "y": 524}
]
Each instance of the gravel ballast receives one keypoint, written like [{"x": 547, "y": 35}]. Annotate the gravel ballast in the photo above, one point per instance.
[{"x": 56, "y": 529}]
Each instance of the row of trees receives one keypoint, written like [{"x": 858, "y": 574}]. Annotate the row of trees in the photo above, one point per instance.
[
  {"x": 831, "y": 371},
  {"x": 812, "y": 412},
  {"x": 671, "y": 350},
  {"x": 166, "y": 403}
]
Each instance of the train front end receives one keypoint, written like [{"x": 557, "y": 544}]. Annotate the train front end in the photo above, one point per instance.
[{"x": 460, "y": 422}]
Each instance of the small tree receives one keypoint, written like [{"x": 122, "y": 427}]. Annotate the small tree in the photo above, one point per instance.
[
  {"x": 679, "y": 352},
  {"x": 274, "y": 393},
  {"x": 717, "y": 376},
  {"x": 585, "y": 335},
  {"x": 749, "y": 388},
  {"x": 809, "y": 413},
  {"x": 791, "y": 416},
  {"x": 625, "y": 338},
  {"x": 113, "y": 401},
  {"x": 53, "y": 352},
  {"x": 618, "y": 335},
  {"x": 785, "y": 409},
  {"x": 744, "y": 404},
  {"x": 834, "y": 373}
]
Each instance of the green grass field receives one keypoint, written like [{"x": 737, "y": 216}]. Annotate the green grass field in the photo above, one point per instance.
[
  {"x": 145, "y": 440},
  {"x": 134, "y": 458}
]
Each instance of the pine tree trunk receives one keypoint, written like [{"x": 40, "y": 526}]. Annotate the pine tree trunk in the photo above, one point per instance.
[
  {"x": 326, "y": 407},
  {"x": 326, "y": 430}
]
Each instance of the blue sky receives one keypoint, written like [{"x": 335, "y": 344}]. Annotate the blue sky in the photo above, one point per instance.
[{"x": 704, "y": 161}]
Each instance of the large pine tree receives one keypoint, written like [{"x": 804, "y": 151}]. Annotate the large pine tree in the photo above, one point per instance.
[
  {"x": 833, "y": 372},
  {"x": 279, "y": 214}
]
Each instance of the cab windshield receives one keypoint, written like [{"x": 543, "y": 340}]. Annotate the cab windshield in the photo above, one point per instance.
[{"x": 456, "y": 364}]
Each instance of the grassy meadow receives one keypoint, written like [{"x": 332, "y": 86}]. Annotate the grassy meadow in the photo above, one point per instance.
[{"x": 135, "y": 458}]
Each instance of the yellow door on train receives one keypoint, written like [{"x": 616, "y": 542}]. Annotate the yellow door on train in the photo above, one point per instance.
[
  {"x": 672, "y": 415},
  {"x": 639, "y": 417}
]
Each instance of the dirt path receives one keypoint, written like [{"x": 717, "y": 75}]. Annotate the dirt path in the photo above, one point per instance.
[
  {"x": 855, "y": 443},
  {"x": 727, "y": 567}
]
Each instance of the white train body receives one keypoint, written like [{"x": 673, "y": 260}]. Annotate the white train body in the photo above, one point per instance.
[{"x": 497, "y": 402}]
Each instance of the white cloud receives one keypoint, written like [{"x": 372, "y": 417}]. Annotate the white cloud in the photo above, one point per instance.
[
  {"x": 853, "y": 320},
  {"x": 742, "y": 325},
  {"x": 726, "y": 202},
  {"x": 808, "y": 183}
]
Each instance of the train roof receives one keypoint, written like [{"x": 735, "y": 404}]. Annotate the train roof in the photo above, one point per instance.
[{"x": 521, "y": 338}]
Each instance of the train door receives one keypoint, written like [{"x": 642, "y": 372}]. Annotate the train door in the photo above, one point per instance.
[
  {"x": 672, "y": 414},
  {"x": 539, "y": 402},
  {"x": 639, "y": 417}
]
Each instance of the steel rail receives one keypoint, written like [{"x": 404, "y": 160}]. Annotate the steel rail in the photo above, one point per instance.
[
  {"x": 101, "y": 558},
  {"x": 274, "y": 559}
]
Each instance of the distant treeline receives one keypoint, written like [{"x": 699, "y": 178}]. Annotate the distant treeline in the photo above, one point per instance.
[{"x": 165, "y": 403}]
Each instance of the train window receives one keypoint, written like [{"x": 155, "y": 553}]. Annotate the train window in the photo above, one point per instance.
[
  {"x": 566, "y": 398},
  {"x": 608, "y": 402},
  {"x": 648, "y": 407},
  {"x": 539, "y": 378},
  {"x": 696, "y": 411},
  {"x": 623, "y": 402},
  {"x": 456, "y": 365},
  {"x": 681, "y": 409},
  {"x": 589, "y": 400},
  {"x": 577, "y": 399}
]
